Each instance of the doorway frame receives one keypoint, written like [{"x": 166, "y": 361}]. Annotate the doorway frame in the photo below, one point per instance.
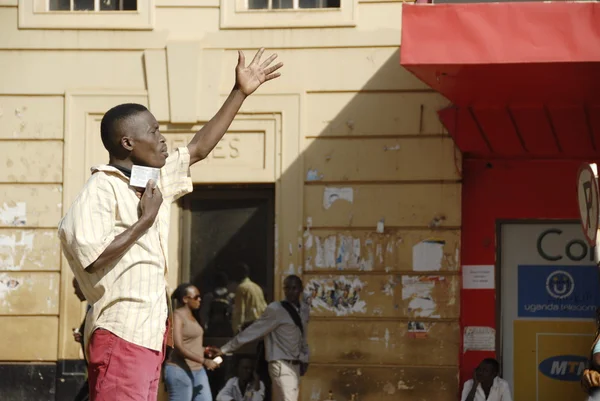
[
  {"x": 186, "y": 222},
  {"x": 282, "y": 113},
  {"x": 498, "y": 275}
]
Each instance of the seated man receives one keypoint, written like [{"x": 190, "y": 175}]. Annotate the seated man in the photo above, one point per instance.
[
  {"x": 485, "y": 384},
  {"x": 246, "y": 386}
]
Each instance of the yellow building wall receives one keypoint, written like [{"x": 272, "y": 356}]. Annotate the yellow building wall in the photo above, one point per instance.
[{"x": 367, "y": 181}]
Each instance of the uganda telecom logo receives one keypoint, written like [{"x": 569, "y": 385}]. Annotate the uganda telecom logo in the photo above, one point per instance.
[
  {"x": 557, "y": 291},
  {"x": 560, "y": 284}
]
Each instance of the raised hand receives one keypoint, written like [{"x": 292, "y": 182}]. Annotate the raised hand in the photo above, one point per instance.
[
  {"x": 249, "y": 78},
  {"x": 475, "y": 378}
]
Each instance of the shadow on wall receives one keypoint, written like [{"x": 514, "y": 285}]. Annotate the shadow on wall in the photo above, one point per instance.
[{"x": 381, "y": 177}]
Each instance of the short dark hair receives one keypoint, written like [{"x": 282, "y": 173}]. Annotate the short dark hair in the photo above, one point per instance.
[
  {"x": 293, "y": 277},
  {"x": 111, "y": 126},
  {"x": 495, "y": 365},
  {"x": 242, "y": 270}
]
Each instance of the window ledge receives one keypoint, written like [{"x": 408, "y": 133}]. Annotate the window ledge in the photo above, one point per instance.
[
  {"x": 33, "y": 15},
  {"x": 234, "y": 15}
]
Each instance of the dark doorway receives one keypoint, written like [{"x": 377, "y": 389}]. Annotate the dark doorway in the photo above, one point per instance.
[{"x": 224, "y": 225}]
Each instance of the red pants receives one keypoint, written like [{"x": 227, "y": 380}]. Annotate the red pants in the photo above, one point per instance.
[{"x": 121, "y": 371}]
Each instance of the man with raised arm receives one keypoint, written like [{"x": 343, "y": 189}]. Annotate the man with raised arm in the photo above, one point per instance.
[{"x": 115, "y": 238}]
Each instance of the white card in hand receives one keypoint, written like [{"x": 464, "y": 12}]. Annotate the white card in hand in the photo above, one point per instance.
[
  {"x": 218, "y": 360},
  {"x": 140, "y": 176}
]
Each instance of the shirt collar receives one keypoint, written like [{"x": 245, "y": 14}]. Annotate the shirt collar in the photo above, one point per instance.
[
  {"x": 494, "y": 388},
  {"x": 107, "y": 168},
  {"x": 125, "y": 171}
]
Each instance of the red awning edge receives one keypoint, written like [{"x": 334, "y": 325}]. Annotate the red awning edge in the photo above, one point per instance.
[
  {"x": 503, "y": 33},
  {"x": 524, "y": 78}
]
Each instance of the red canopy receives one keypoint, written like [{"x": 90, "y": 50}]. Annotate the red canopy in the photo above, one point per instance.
[{"x": 524, "y": 78}]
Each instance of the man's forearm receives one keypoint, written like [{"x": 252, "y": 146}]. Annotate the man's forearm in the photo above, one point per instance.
[
  {"x": 252, "y": 333},
  {"x": 211, "y": 133},
  {"x": 122, "y": 242}
]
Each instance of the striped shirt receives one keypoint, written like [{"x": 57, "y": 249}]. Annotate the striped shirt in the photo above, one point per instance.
[{"x": 128, "y": 297}]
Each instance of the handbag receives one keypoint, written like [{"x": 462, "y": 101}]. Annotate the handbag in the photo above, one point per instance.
[{"x": 591, "y": 377}]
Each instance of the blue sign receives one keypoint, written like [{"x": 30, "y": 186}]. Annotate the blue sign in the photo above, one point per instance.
[
  {"x": 564, "y": 367},
  {"x": 558, "y": 291}
]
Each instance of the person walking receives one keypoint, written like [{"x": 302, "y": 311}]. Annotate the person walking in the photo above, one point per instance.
[{"x": 185, "y": 374}]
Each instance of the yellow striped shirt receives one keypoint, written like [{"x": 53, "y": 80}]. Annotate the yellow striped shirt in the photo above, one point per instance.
[{"x": 127, "y": 297}]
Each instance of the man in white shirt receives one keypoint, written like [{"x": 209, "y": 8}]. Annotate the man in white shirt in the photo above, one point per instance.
[
  {"x": 283, "y": 325},
  {"x": 246, "y": 386},
  {"x": 485, "y": 384}
]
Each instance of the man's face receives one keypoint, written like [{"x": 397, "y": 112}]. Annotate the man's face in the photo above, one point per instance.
[
  {"x": 146, "y": 144},
  {"x": 292, "y": 290},
  {"x": 485, "y": 372},
  {"x": 245, "y": 369}
]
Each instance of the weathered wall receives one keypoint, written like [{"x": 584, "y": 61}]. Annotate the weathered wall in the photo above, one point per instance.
[
  {"x": 368, "y": 184},
  {"x": 378, "y": 178}
]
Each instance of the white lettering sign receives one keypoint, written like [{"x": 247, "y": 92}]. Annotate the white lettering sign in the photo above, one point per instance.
[{"x": 478, "y": 277}]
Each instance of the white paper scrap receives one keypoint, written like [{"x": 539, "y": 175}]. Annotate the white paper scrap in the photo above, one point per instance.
[
  {"x": 478, "y": 338},
  {"x": 478, "y": 277},
  {"x": 140, "y": 176},
  {"x": 331, "y": 194}
]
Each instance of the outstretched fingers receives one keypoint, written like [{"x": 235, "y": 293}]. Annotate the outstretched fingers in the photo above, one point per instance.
[
  {"x": 257, "y": 56},
  {"x": 272, "y": 76},
  {"x": 270, "y": 70},
  {"x": 268, "y": 61}
]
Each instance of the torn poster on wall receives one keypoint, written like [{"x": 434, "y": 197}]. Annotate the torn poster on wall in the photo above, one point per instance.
[
  {"x": 333, "y": 194},
  {"x": 15, "y": 249},
  {"x": 14, "y": 215},
  {"x": 340, "y": 294},
  {"x": 7, "y": 285},
  {"x": 339, "y": 251},
  {"x": 428, "y": 255},
  {"x": 418, "y": 289},
  {"x": 313, "y": 175},
  {"x": 418, "y": 329}
]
